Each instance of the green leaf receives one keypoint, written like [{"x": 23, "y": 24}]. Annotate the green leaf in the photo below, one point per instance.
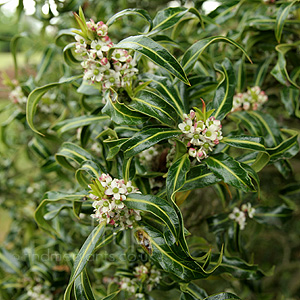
[
  {"x": 10, "y": 261},
  {"x": 280, "y": 69},
  {"x": 146, "y": 138},
  {"x": 230, "y": 171},
  {"x": 38, "y": 146},
  {"x": 69, "y": 124},
  {"x": 222, "y": 102},
  {"x": 290, "y": 98},
  {"x": 155, "y": 52},
  {"x": 192, "y": 54},
  {"x": 245, "y": 142},
  {"x": 262, "y": 71},
  {"x": 70, "y": 152},
  {"x": 91, "y": 168},
  {"x": 35, "y": 96},
  {"x": 238, "y": 269},
  {"x": 120, "y": 113},
  {"x": 260, "y": 161},
  {"x": 168, "y": 18},
  {"x": 70, "y": 58},
  {"x": 82, "y": 287},
  {"x": 282, "y": 14},
  {"x": 273, "y": 215},
  {"x": 152, "y": 105},
  {"x": 269, "y": 128},
  {"x": 13, "y": 49},
  {"x": 222, "y": 296},
  {"x": 114, "y": 147},
  {"x": 84, "y": 255},
  {"x": 128, "y": 169},
  {"x": 45, "y": 63},
  {"x": 62, "y": 37},
  {"x": 177, "y": 175},
  {"x": 199, "y": 177},
  {"x": 155, "y": 245},
  {"x": 51, "y": 197},
  {"x": 241, "y": 76},
  {"x": 167, "y": 90},
  {"x": 132, "y": 11},
  {"x": 284, "y": 150},
  {"x": 193, "y": 290},
  {"x": 111, "y": 296},
  {"x": 156, "y": 206}
]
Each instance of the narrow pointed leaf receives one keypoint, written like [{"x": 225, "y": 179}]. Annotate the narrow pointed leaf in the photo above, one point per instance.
[
  {"x": 230, "y": 171},
  {"x": 84, "y": 255},
  {"x": 273, "y": 215},
  {"x": 147, "y": 138},
  {"x": 164, "y": 86},
  {"x": 222, "y": 296},
  {"x": 282, "y": 14},
  {"x": 154, "y": 106},
  {"x": 222, "y": 102},
  {"x": 269, "y": 128},
  {"x": 51, "y": 197},
  {"x": 119, "y": 112},
  {"x": 199, "y": 177},
  {"x": 261, "y": 71},
  {"x": 134, "y": 12},
  {"x": 177, "y": 175},
  {"x": 156, "y": 206},
  {"x": 82, "y": 287},
  {"x": 92, "y": 169},
  {"x": 192, "y": 54},
  {"x": 285, "y": 150},
  {"x": 155, "y": 52},
  {"x": 70, "y": 124},
  {"x": 154, "y": 244},
  {"x": 36, "y": 95},
  {"x": 169, "y": 17},
  {"x": 245, "y": 142},
  {"x": 111, "y": 296},
  {"x": 280, "y": 71},
  {"x": 70, "y": 152}
]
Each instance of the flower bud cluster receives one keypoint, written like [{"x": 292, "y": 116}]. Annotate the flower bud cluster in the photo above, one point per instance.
[
  {"x": 17, "y": 95},
  {"x": 117, "y": 71},
  {"x": 147, "y": 275},
  {"x": 199, "y": 135},
  {"x": 253, "y": 99},
  {"x": 38, "y": 292},
  {"x": 108, "y": 195},
  {"x": 240, "y": 215}
]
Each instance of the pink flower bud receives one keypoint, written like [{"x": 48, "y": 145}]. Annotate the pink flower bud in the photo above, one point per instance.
[
  {"x": 103, "y": 61},
  {"x": 192, "y": 114}
]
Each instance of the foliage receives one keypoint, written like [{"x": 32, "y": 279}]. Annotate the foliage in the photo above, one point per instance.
[{"x": 150, "y": 113}]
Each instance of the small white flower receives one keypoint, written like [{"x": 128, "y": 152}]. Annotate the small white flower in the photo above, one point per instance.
[
  {"x": 187, "y": 127},
  {"x": 248, "y": 209},
  {"x": 115, "y": 190},
  {"x": 238, "y": 216},
  {"x": 105, "y": 180}
]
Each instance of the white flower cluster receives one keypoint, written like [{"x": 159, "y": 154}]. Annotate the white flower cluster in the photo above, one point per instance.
[
  {"x": 17, "y": 95},
  {"x": 148, "y": 155},
  {"x": 146, "y": 274},
  {"x": 38, "y": 293},
  {"x": 240, "y": 216},
  {"x": 109, "y": 207},
  {"x": 254, "y": 98},
  {"x": 118, "y": 71},
  {"x": 200, "y": 136}
]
